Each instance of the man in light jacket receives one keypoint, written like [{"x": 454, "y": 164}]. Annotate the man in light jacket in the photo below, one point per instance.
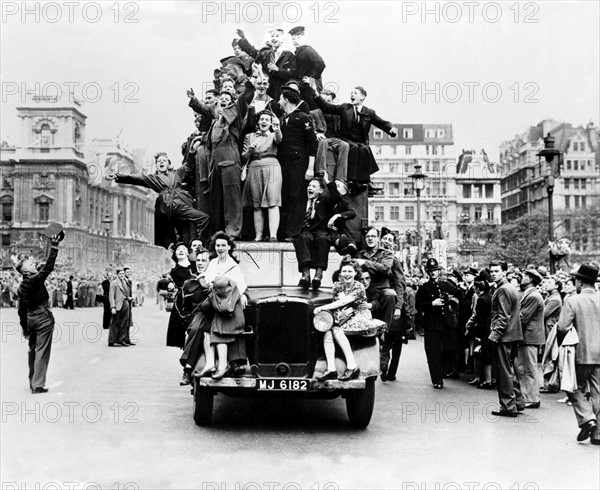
[
  {"x": 505, "y": 333},
  {"x": 582, "y": 312},
  {"x": 532, "y": 325}
]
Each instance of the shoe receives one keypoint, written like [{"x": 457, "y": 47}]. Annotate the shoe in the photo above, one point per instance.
[
  {"x": 186, "y": 379},
  {"x": 304, "y": 281},
  {"x": 504, "y": 413},
  {"x": 327, "y": 375},
  {"x": 124, "y": 345},
  {"x": 207, "y": 371},
  {"x": 260, "y": 239},
  {"x": 350, "y": 374},
  {"x": 452, "y": 375},
  {"x": 236, "y": 370},
  {"x": 532, "y": 405},
  {"x": 486, "y": 385},
  {"x": 548, "y": 390},
  {"x": 563, "y": 400},
  {"x": 391, "y": 378},
  {"x": 475, "y": 381},
  {"x": 520, "y": 408},
  {"x": 383, "y": 369},
  {"x": 595, "y": 442},
  {"x": 586, "y": 430},
  {"x": 316, "y": 282},
  {"x": 130, "y": 344},
  {"x": 115, "y": 344},
  {"x": 273, "y": 239},
  {"x": 220, "y": 374},
  {"x": 438, "y": 386},
  {"x": 35, "y": 391}
]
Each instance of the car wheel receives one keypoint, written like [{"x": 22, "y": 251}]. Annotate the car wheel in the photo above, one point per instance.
[
  {"x": 360, "y": 403},
  {"x": 203, "y": 405}
]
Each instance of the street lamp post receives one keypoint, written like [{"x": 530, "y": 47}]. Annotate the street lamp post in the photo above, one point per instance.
[
  {"x": 550, "y": 154},
  {"x": 107, "y": 222},
  {"x": 418, "y": 185}
]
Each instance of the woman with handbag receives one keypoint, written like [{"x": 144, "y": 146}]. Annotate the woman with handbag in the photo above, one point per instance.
[
  {"x": 226, "y": 281},
  {"x": 262, "y": 189},
  {"x": 351, "y": 314}
]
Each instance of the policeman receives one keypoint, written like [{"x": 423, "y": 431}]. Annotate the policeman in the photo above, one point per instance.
[{"x": 435, "y": 299}]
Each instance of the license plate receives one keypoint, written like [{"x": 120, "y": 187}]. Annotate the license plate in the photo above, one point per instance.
[{"x": 282, "y": 384}]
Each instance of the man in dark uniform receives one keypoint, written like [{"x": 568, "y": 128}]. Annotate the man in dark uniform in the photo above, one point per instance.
[
  {"x": 296, "y": 155},
  {"x": 106, "y": 317},
  {"x": 433, "y": 300},
  {"x": 278, "y": 64},
  {"x": 174, "y": 211},
  {"x": 69, "y": 303},
  {"x": 35, "y": 316},
  {"x": 308, "y": 64}
]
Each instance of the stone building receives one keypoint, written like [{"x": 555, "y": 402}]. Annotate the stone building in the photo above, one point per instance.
[{"x": 54, "y": 177}]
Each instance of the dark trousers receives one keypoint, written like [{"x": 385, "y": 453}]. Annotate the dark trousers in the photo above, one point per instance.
[
  {"x": 119, "y": 325},
  {"x": 452, "y": 353},
  {"x": 293, "y": 191},
  {"x": 435, "y": 343},
  {"x": 41, "y": 327},
  {"x": 106, "y": 316},
  {"x": 392, "y": 342},
  {"x": 385, "y": 312},
  {"x": 508, "y": 397},
  {"x": 226, "y": 199},
  {"x": 194, "y": 341},
  {"x": 588, "y": 377},
  {"x": 190, "y": 223},
  {"x": 312, "y": 249},
  {"x": 69, "y": 302}
]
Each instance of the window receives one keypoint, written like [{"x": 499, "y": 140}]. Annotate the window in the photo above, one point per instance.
[
  {"x": 583, "y": 183},
  {"x": 466, "y": 191},
  {"x": 7, "y": 211},
  {"x": 575, "y": 164},
  {"x": 408, "y": 188},
  {"x": 576, "y": 199},
  {"x": 435, "y": 166},
  {"x": 441, "y": 133},
  {"x": 434, "y": 150},
  {"x": 568, "y": 164},
  {"x": 395, "y": 213},
  {"x": 408, "y": 150},
  {"x": 490, "y": 214},
  {"x": 378, "y": 134},
  {"x": 44, "y": 211},
  {"x": 478, "y": 213},
  {"x": 408, "y": 169},
  {"x": 409, "y": 213},
  {"x": 583, "y": 201},
  {"x": 435, "y": 188},
  {"x": 393, "y": 167},
  {"x": 575, "y": 183},
  {"x": 567, "y": 202},
  {"x": 489, "y": 191},
  {"x": 427, "y": 149},
  {"x": 430, "y": 133},
  {"x": 379, "y": 213},
  {"x": 394, "y": 188},
  {"x": 407, "y": 133},
  {"x": 377, "y": 150},
  {"x": 444, "y": 190},
  {"x": 443, "y": 149},
  {"x": 6, "y": 240},
  {"x": 45, "y": 136},
  {"x": 436, "y": 212},
  {"x": 477, "y": 191},
  {"x": 567, "y": 184}
]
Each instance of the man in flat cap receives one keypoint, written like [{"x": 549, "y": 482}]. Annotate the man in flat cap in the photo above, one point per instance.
[
  {"x": 235, "y": 67},
  {"x": 245, "y": 57},
  {"x": 582, "y": 312},
  {"x": 277, "y": 63},
  {"x": 308, "y": 64},
  {"x": 532, "y": 325}
]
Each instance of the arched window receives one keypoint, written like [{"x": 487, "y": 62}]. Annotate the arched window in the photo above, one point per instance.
[{"x": 45, "y": 136}]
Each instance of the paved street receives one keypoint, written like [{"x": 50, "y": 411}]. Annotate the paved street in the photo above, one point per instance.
[{"x": 118, "y": 417}]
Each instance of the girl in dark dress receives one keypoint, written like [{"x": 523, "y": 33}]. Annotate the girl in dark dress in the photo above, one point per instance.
[
  {"x": 483, "y": 320},
  {"x": 179, "y": 274}
]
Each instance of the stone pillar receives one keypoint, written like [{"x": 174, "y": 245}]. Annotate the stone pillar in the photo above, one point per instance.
[
  {"x": 69, "y": 198},
  {"x": 115, "y": 213},
  {"x": 128, "y": 216}
]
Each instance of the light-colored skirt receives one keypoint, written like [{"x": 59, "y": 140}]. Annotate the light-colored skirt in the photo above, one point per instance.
[{"x": 263, "y": 184}]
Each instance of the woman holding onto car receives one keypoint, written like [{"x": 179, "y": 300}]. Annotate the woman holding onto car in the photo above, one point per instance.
[
  {"x": 353, "y": 315},
  {"x": 179, "y": 274},
  {"x": 226, "y": 281}
]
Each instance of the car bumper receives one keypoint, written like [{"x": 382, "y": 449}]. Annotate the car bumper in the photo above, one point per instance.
[{"x": 252, "y": 384}]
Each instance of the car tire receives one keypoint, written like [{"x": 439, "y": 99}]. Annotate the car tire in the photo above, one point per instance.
[
  {"x": 203, "y": 405},
  {"x": 360, "y": 404}
]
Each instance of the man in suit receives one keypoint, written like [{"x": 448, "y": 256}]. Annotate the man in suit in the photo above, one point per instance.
[
  {"x": 505, "y": 334},
  {"x": 119, "y": 307},
  {"x": 532, "y": 325},
  {"x": 35, "y": 316},
  {"x": 552, "y": 304},
  {"x": 434, "y": 299},
  {"x": 69, "y": 303},
  {"x": 582, "y": 312},
  {"x": 313, "y": 243},
  {"x": 129, "y": 291},
  {"x": 308, "y": 63},
  {"x": 355, "y": 125},
  {"x": 105, "y": 299}
]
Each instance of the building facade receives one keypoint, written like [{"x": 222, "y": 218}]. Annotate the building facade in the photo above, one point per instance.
[
  {"x": 431, "y": 145},
  {"x": 54, "y": 177}
]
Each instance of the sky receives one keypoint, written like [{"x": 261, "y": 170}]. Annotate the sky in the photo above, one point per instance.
[{"x": 491, "y": 69}]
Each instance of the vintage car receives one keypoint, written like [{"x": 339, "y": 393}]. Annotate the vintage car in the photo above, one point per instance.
[{"x": 285, "y": 351}]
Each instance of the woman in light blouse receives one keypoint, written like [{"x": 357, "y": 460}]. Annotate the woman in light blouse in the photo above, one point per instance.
[
  {"x": 263, "y": 184},
  {"x": 223, "y": 265}
]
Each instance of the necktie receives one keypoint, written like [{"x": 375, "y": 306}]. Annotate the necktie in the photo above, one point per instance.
[
  {"x": 310, "y": 209},
  {"x": 356, "y": 114}
]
